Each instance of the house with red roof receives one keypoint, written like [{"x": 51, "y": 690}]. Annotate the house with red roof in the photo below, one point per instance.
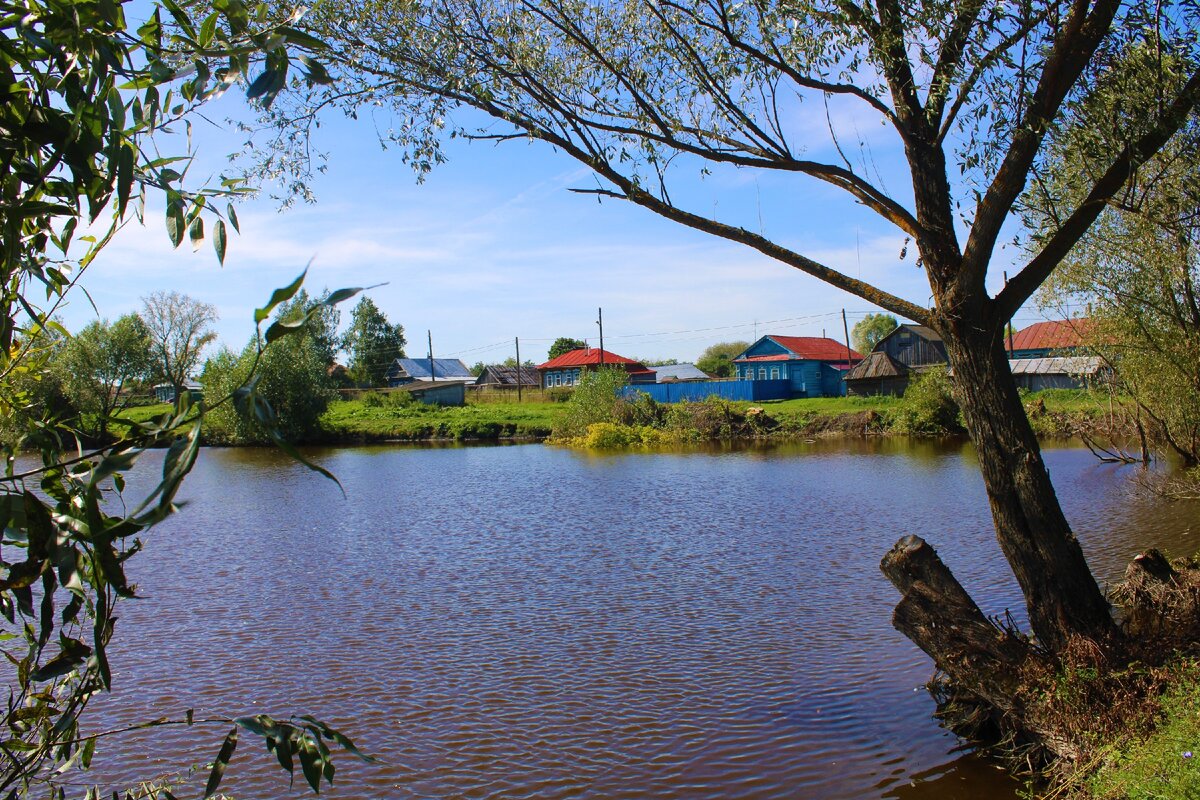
[
  {"x": 812, "y": 366},
  {"x": 1054, "y": 338},
  {"x": 566, "y": 369}
]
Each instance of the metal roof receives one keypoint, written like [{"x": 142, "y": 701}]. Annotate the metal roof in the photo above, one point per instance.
[
  {"x": 1052, "y": 335},
  {"x": 1058, "y": 365},
  {"x": 806, "y": 348},
  {"x": 590, "y": 357},
  {"x": 679, "y": 372}
]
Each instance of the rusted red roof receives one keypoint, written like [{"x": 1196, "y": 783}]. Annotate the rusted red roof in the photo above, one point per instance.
[
  {"x": 808, "y": 348},
  {"x": 1051, "y": 335},
  {"x": 591, "y": 357}
]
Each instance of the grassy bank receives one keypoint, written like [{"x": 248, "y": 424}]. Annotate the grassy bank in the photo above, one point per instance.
[
  {"x": 360, "y": 420},
  {"x": 375, "y": 420}
]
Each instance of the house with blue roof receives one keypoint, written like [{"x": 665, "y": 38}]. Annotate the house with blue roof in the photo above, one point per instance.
[{"x": 408, "y": 370}]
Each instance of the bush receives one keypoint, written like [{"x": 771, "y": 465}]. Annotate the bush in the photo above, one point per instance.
[
  {"x": 594, "y": 399},
  {"x": 927, "y": 408},
  {"x": 611, "y": 436}
]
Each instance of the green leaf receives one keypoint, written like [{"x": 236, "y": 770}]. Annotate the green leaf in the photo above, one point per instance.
[
  {"x": 280, "y": 296},
  {"x": 196, "y": 232},
  {"x": 124, "y": 178},
  {"x": 219, "y": 240},
  {"x": 175, "y": 223},
  {"x": 208, "y": 29},
  {"x": 282, "y": 328},
  {"x": 312, "y": 763},
  {"x": 218, "y": 767},
  {"x": 233, "y": 219}
]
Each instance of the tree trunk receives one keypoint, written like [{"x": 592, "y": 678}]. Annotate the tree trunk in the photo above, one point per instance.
[{"x": 1061, "y": 595}]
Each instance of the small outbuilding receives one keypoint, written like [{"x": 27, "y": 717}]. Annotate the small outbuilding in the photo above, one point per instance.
[
  {"x": 505, "y": 378},
  {"x": 437, "y": 393},
  {"x": 677, "y": 373},
  {"x": 878, "y": 373},
  {"x": 165, "y": 392},
  {"x": 1056, "y": 372}
]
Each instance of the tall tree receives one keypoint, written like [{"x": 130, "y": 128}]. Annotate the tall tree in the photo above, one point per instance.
[
  {"x": 870, "y": 329},
  {"x": 1137, "y": 269},
  {"x": 180, "y": 328},
  {"x": 373, "y": 343},
  {"x": 102, "y": 362},
  {"x": 968, "y": 90},
  {"x": 717, "y": 359},
  {"x": 564, "y": 344}
]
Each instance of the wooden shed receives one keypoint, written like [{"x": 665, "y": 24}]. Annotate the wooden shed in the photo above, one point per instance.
[
  {"x": 506, "y": 378},
  {"x": 878, "y": 373}
]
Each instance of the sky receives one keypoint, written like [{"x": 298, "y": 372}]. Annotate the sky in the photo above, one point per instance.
[{"x": 493, "y": 247}]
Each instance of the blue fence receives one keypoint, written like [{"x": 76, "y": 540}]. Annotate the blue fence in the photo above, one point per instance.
[{"x": 729, "y": 390}]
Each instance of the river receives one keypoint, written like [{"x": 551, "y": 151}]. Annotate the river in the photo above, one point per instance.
[{"x": 534, "y": 622}]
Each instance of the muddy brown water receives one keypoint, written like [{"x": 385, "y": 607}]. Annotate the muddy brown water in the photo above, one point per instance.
[{"x": 532, "y": 622}]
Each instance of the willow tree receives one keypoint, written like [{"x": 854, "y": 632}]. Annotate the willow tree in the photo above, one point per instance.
[{"x": 640, "y": 91}]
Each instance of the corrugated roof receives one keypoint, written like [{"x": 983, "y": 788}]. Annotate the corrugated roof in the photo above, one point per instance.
[
  {"x": 585, "y": 356},
  {"x": 1059, "y": 365},
  {"x": 808, "y": 348},
  {"x": 1052, "y": 335},
  {"x": 443, "y": 368},
  {"x": 679, "y": 372},
  {"x": 877, "y": 365}
]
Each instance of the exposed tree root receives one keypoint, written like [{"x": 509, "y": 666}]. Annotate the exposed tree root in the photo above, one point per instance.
[{"x": 1047, "y": 715}]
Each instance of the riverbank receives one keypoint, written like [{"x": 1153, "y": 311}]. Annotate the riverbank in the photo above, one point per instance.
[{"x": 1055, "y": 413}]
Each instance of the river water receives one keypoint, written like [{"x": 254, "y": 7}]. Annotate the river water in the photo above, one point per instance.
[{"x": 534, "y": 622}]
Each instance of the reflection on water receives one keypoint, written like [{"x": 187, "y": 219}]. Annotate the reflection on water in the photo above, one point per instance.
[{"x": 519, "y": 622}]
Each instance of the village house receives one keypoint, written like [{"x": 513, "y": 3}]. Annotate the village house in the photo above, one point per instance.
[
  {"x": 811, "y": 366},
  {"x": 566, "y": 369},
  {"x": 895, "y": 359},
  {"x": 407, "y": 370}
]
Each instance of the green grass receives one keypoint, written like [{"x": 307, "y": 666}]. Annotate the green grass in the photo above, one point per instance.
[
  {"x": 354, "y": 418},
  {"x": 1166, "y": 763}
]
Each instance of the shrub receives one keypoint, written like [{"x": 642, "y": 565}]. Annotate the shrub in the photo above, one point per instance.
[
  {"x": 927, "y": 408},
  {"x": 594, "y": 400}
]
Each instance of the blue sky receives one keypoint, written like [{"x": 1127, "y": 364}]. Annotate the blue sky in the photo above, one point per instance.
[{"x": 493, "y": 246}]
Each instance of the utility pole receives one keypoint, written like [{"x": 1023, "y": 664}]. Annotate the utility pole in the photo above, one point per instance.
[
  {"x": 846, "y": 330},
  {"x": 600, "y": 322},
  {"x": 517, "y": 342},
  {"x": 432, "y": 373}
]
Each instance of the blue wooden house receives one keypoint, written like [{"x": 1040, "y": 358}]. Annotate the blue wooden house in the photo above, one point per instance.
[{"x": 812, "y": 366}]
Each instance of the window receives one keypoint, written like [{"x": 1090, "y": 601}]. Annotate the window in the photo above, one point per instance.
[
  {"x": 558, "y": 379},
  {"x": 774, "y": 373},
  {"x": 762, "y": 373}
]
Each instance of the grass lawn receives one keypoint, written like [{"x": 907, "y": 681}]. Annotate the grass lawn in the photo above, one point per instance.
[{"x": 415, "y": 421}]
